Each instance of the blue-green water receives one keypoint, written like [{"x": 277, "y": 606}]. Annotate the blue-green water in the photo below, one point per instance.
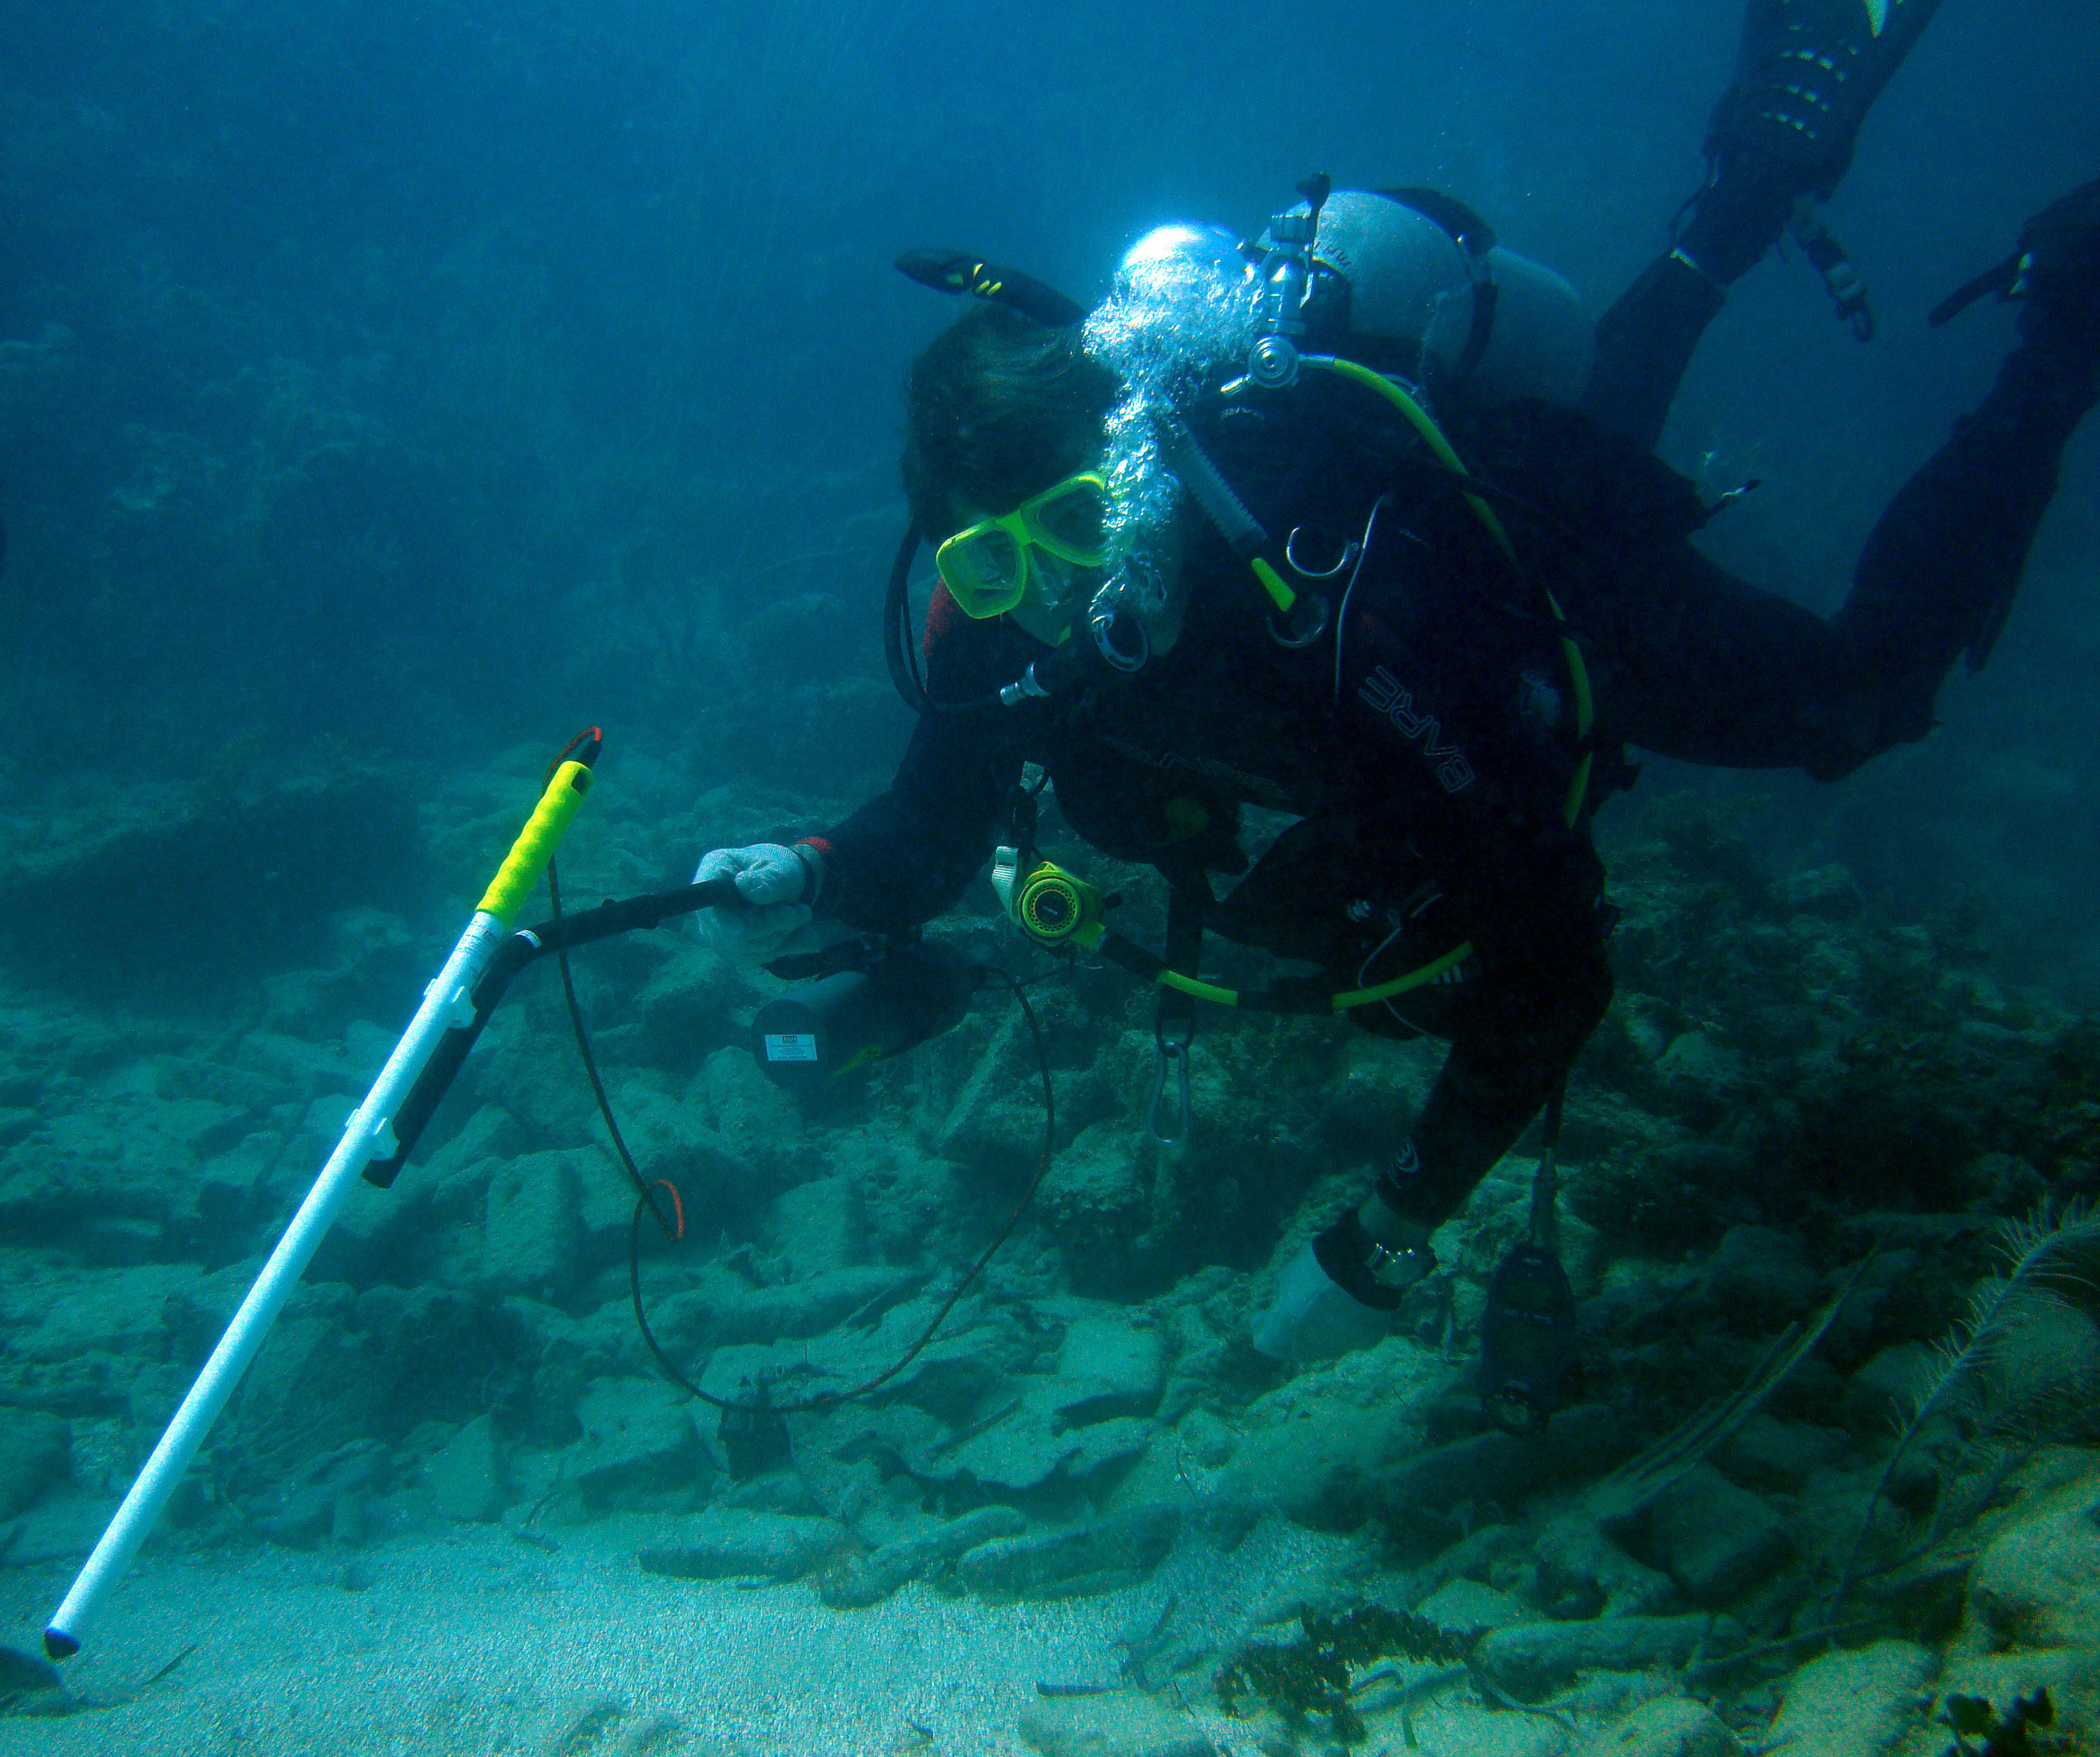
[{"x": 387, "y": 392}]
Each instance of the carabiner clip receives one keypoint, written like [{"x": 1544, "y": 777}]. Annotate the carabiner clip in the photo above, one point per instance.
[{"x": 1176, "y": 1054}]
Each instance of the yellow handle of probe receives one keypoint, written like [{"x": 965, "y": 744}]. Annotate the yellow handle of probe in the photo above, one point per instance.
[{"x": 536, "y": 844}]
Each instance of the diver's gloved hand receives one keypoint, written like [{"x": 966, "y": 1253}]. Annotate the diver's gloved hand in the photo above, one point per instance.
[
  {"x": 775, "y": 879},
  {"x": 2054, "y": 269},
  {"x": 1330, "y": 1299},
  {"x": 2058, "y": 264}
]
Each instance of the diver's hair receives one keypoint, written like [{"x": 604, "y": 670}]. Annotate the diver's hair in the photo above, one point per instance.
[{"x": 997, "y": 408}]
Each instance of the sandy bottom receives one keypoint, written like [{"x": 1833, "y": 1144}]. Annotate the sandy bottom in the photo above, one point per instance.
[{"x": 480, "y": 1644}]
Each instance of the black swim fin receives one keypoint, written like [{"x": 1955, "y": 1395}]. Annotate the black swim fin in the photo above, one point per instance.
[
  {"x": 1807, "y": 72},
  {"x": 957, "y": 271}
]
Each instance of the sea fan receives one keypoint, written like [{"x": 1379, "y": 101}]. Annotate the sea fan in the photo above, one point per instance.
[{"x": 2038, "y": 1253}]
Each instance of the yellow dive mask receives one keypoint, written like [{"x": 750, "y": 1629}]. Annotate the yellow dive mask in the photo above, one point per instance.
[{"x": 987, "y": 567}]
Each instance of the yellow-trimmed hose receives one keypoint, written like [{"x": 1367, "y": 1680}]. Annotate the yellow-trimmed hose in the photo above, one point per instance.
[
  {"x": 1202, "y": 990},
  {"x": 1340, "y": 1002},
  {"x": 1283, "y": 597},
  {"x": 1281, "y": 594},
  {"x": 536, "y": 844},
  {"x": 1419, "y": 977},
  {"x": 1425, "y": 423}
]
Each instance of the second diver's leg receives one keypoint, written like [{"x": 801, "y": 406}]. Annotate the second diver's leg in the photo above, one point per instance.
[
  {"x": 1645, "y": 342},
  {"x": 1937, "y": 578},
  {"x": 1709, "y": 669},
  {"x": 1807, "y": 72},
  {"x": 1514, "y": 1036}
]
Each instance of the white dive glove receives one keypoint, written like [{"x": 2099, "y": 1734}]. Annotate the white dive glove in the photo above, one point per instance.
[{"x": 775, "y": 879}]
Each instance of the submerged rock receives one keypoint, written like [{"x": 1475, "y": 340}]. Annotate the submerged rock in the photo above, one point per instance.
[
  {"x": 1668, "y": 1727},
  {"x": 1107, "y": 1369},
  {"x": 639, "y": 1445},
  {"x": 670, "y": 1139},
  {"x": 1884, "y": 1390},
  {"x": 866, "y": 1579},
  {"x": 532, "y": 1237},
  {"x": 758, "y": 1123},
  {"x": 1468, "y": 1604},
  {"x": 246, "y": 874},
  {"x": 723, "y": 1543},
  {"x": 1716, "y": 1539},
  {"x": 1499, "y": 1468},
  {"x": 1582, "y": 1573},
  {"x": 726, "y": 1307},
  {"x": 1831, "y": 891},
  {"x": 2037, "y": 1585},
  {"x": 1032, "y": 1450},
  {"x": 1096, "y": 1202},
  {"x": 327, "y": 1500},
  {"x": 1326, "y": 1449},
  {"x": 1098, "y": 1557},
  {"x": 1758, "y": 1277},
  {"x": 948, "y": 1379},
  {"x": 35, "y": 1452},
  {"x": 1767, "y": 1453},
  {"x": 1859, "y": 1703},
  {"x": 819, "y": 1225},
  {"x": 467, "y": 1478},
  {"x": 311, "y": 1394},
  {"x": 1533, "y": 1657}
]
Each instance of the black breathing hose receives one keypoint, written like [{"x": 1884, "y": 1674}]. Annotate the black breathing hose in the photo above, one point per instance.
[
  {"x": 896, "y": 626},
  {"x": 673, "y": 1226},
  {"x": 897, "y": 647}
]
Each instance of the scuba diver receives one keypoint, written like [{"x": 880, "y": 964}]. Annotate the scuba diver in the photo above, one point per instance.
[{"x": 1358, "y": 521}]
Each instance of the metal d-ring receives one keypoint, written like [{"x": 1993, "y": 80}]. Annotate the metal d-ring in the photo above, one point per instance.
[
  {"x": 1350, "y": 550},
  {"x": 1313, "y": 612},
  {"x": 1168, "y": 1052},
  {"x": 1101, "y": 627}
]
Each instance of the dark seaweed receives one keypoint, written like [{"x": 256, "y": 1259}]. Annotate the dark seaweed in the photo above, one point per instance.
[
  {"x": 1981, "y": 1731},
  {"x": 1313, "y": 1675}
]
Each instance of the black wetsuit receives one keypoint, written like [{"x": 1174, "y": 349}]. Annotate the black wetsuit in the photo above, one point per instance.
[{"x": 1428, "y": 740}]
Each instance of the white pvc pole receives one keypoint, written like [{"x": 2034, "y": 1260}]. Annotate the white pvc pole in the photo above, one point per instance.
[{"x": 368, "y": 1134}]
